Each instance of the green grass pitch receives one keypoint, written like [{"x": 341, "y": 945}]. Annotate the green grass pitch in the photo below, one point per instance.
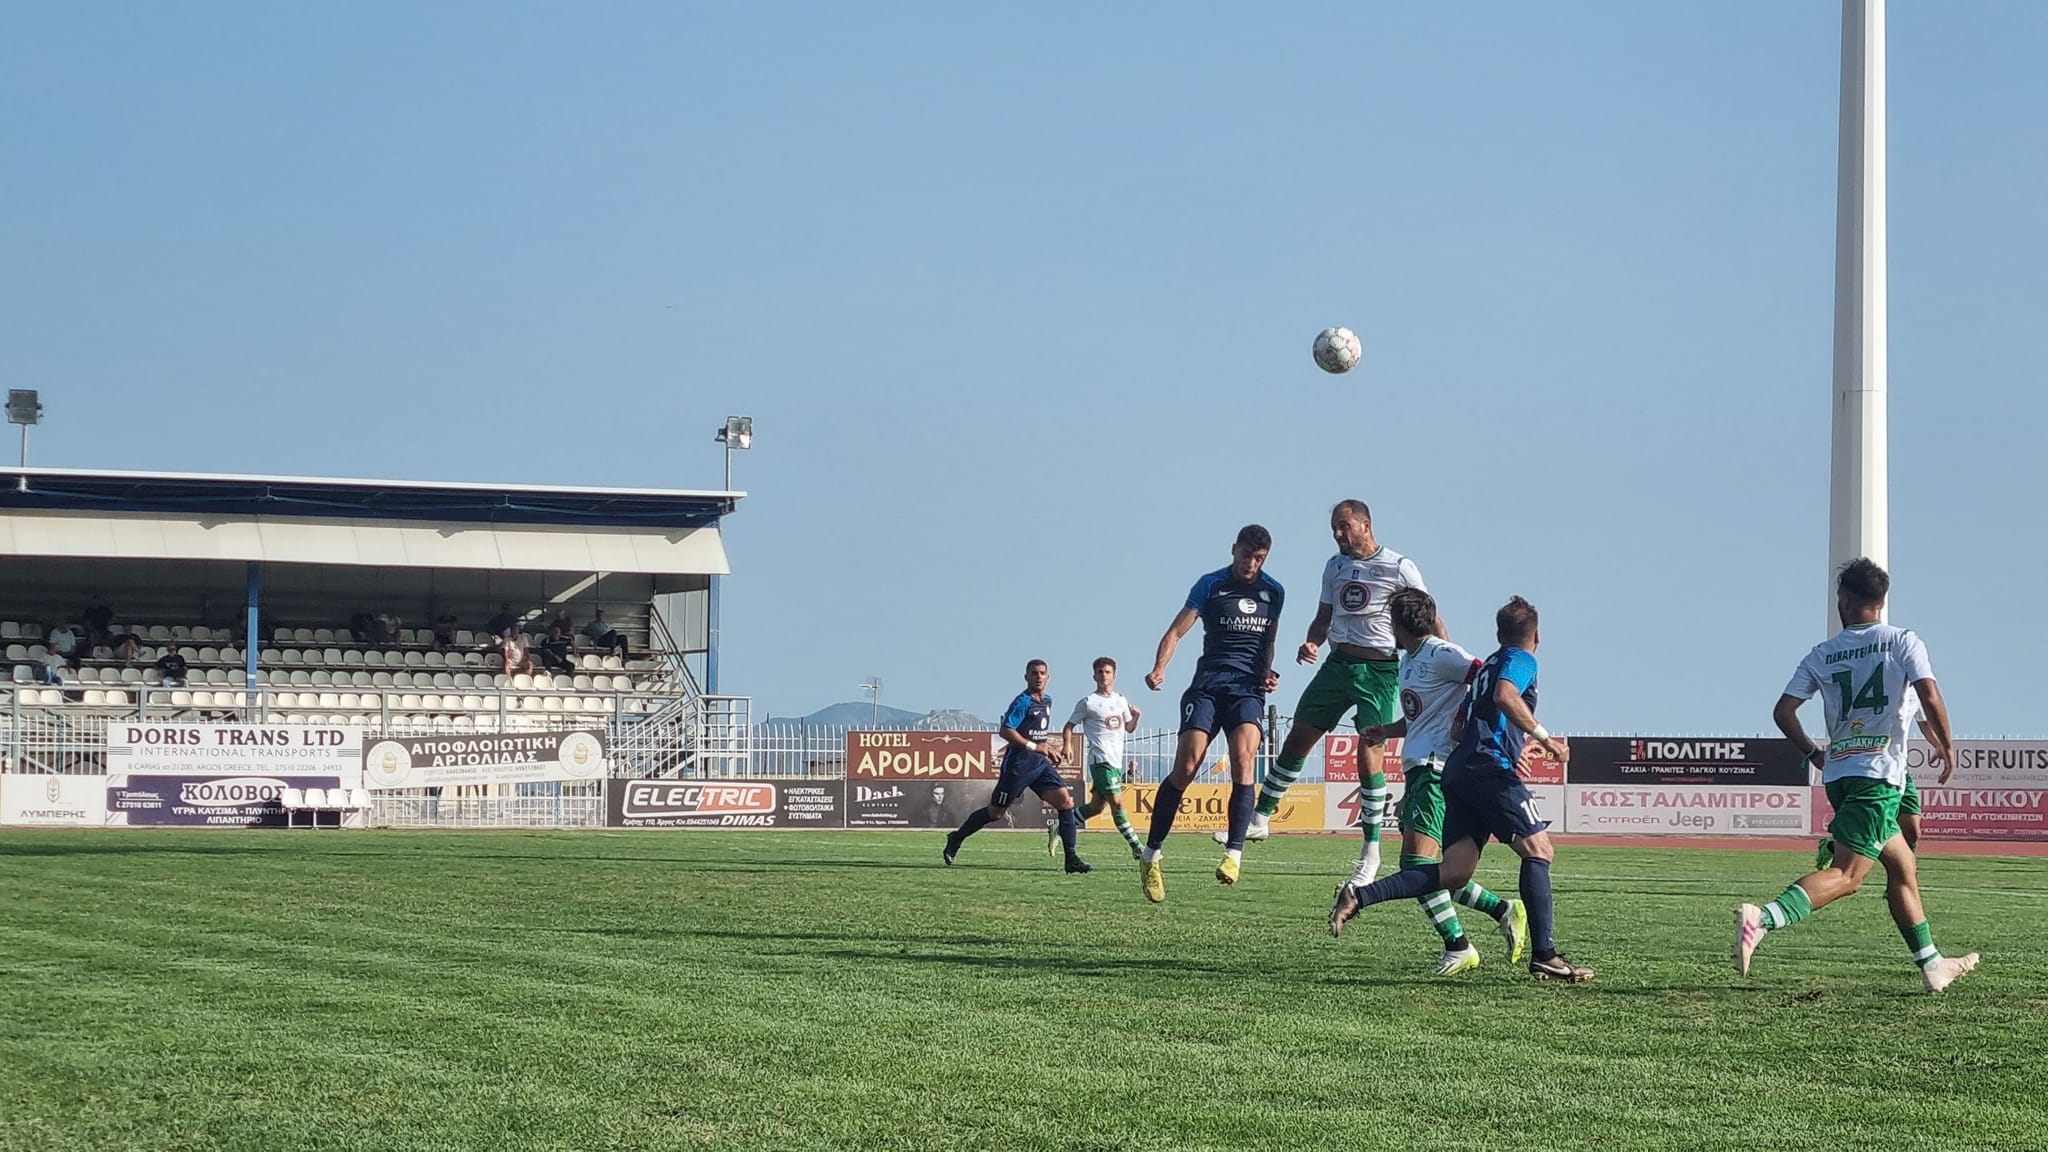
[{"x": 414, "y": 990}]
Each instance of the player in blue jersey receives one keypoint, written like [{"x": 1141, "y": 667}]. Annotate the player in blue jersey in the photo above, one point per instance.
[
  {"x": 1239, "y": 608},
  {"x": 1484, "y": 798},
  {"x": 1031, "y": 763}
]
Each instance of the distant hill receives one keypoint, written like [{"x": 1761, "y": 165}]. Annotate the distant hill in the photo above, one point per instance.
[{"x": 861, "y": 714}]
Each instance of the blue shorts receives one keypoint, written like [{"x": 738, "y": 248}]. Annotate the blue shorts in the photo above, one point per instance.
[
  {"x": 1024, "y": 772},
  {"x": 1478, "y": 805},
  {"x": 1208, "y": 707}
]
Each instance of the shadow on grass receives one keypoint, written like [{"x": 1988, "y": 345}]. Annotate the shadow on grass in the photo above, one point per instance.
[
  {"x": 127, "y": 847},
  {"x": 779, "y": 937},
  {"x": 1069, "y": 965}
]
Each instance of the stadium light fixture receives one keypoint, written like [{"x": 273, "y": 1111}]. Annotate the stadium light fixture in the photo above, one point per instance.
[
  {"x": 737, "y": 433},
  {"x": 24, "y": 407}
]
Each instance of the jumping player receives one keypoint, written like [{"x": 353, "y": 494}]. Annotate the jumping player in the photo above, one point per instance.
[
  {"x": 1030, "y": 763},
  {"x": 1239, "y": 608},
  {"x": 1360, "y": 673},
  {"x": 1863, "y": 676},
  {"x": 1485, "y": 799},
  {"x": 1104, "y": 716},
  {"x": 1434, "y": 675}
]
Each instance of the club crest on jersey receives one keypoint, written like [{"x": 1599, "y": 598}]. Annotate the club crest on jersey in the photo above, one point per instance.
[
  {"x": 1354, "y": 596},
  {"x": 1247, "y": 605}
]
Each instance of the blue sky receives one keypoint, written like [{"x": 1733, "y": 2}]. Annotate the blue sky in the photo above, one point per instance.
[{"x": 1020, "y": 299}]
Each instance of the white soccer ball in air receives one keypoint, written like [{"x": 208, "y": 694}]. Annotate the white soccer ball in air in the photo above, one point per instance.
[{"x": 1337, "y": 350}]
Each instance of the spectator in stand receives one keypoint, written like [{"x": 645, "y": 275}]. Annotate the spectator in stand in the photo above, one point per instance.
[
  {"x": 388, "y": 627},
  {"x": 364, "y": 627},
  {"x": 51, "y": 669},
  {"x": 556, "y": 652},
  {"x": 171, "y": 667},
  {"x": 65, "y": 641},
  {"x": 126, "y": 645},
  {"x": 444, "y": 631},
  {"x": 99, "y": 623},
  {"x": 496, "y": 625},
  {"x": 512, "y": 646},
  {"x": 604, "y": 636}
]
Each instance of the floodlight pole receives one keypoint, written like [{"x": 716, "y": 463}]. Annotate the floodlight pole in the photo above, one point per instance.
[
  {"x": 1857, "y": 499},
  {"x": 738, "y": 432}
]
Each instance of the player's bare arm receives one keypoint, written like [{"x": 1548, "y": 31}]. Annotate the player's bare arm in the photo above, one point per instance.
[
  {"x": 1318, "y": 631},
  {"x": 1786, "y": 716},
  {"x": 1182, "y": 621},
  {"x": 1935, "y": 725},
  {"x": 1374, "y": 735},
  {"x": 1509, "y": 699}
]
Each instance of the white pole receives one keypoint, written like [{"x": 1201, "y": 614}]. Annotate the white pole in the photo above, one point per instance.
[{"x": 1857, "y": 513}]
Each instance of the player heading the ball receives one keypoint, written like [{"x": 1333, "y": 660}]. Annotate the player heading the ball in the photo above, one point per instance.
[{"x": 1239, "y": 607}]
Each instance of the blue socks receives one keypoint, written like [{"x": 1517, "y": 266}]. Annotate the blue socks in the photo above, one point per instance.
[
  {"x": 1070, "y": 827},
  {"x": 1165, "y": 806},
  {"x": 1536, "y": 898},
  {"x": 1242, "y": 799},
  {"x": 1411, "y": 883},
  {"x": 975, "y": 822}
]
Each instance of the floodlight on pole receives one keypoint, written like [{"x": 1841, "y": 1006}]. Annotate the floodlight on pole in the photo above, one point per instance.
[
  {"x": 874, "y": 690},
  {"x": 738, "y": 433},
  {"x": 24, "y": 407}
]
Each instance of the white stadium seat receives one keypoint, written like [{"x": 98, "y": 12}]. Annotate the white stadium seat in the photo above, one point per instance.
[
  {"x": 323, "y": 635},
  {"x": 302, "y": 636}
]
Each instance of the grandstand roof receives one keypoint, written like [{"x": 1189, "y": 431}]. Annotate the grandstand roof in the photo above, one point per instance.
[{"x": 397, "y": 523}]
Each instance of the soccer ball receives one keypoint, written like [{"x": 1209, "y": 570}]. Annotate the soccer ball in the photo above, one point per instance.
[{"x": 1337, "y": 350}]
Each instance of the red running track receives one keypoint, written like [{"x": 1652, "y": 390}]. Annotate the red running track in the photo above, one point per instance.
[{"x": 1928, "y": 847}]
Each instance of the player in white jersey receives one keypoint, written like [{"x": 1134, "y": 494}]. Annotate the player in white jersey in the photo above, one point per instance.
[
  {"x": 1104, "y": 716},
  {"x": 1352, "y": 619},
  {"x": 1434, "y": 676},
  {"x": 1872, "y": 678}
]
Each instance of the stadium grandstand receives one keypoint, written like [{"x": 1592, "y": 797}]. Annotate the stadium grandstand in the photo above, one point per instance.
[{"x": 371, "y": 603}]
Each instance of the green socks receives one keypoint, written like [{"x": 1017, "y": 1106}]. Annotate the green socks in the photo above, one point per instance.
[
  {"x": 1123, "y": 825},
  {"x": 1279, "y": 778},
  {"x": 1920, "y": 941},
  {"x": 1791, "y": 907},
  {"x": 1372, "y": 804},
  {"x": 1480, "y": 900},
  {"x": 1437, "y": 905}
]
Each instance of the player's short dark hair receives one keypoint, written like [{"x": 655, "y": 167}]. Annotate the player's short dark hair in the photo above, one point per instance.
[
  {"x": 1036, "y": 663},
  {"x": 1254, "y": 538},
  {"x": 1101, "y": 661},
  {"x": 1414, "y": 611},
  {"x": 1515, "y": 623},
  {"x": 1861, "y": 581},
  {"x": 1355, "y": 507}
]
